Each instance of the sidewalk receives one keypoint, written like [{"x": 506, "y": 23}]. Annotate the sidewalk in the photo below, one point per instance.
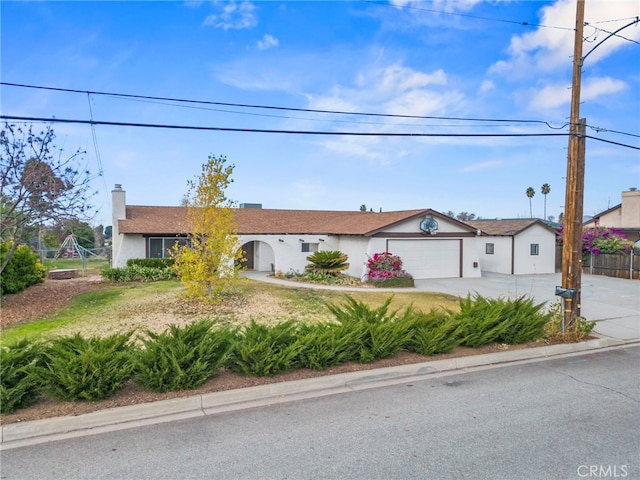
[{"x": 615, "y": 305}]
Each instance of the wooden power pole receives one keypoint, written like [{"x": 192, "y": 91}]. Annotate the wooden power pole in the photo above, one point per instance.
[{"x": 574, "y": 194}]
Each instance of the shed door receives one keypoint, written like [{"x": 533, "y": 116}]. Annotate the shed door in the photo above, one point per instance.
[{"x": 429, "y": 258}]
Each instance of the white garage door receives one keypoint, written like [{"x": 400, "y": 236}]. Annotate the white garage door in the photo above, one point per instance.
[{"x": 428, "y": 258}]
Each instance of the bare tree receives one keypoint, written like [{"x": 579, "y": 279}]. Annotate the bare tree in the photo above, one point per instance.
[{"x": 39, "y": 184}]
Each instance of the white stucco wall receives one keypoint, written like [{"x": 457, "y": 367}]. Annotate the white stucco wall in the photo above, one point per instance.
[
  {"x": 357, "y": 249},
  {"x": 470, "y": 256},
  {"x": 500, "y": 261},
  {"x": 544, "y": 262},
  {"x": 129, "y": 246}
]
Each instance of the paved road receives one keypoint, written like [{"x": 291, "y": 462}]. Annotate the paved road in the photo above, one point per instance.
[{"x": 566, "y": 418}]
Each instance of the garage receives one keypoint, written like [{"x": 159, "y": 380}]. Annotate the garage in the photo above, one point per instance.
[{"x": 429, "y": 258}]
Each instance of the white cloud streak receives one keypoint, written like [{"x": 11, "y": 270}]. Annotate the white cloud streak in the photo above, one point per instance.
[
  {"x": 267, "y": 42},
  {"x": 232, "y": 15}
]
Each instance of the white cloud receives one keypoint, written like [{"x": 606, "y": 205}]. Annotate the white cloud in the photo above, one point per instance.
[
  {"x": 594, "y": 88},
  {"x": 233, "y": 16},
  {"x": 443, "y": 5},
  {"x": 546, "y": 49},
  {"x": 392, "y": 89},
  {"x": 487, "y": 86},
  {"x": 480, "y": 166},
  {"x": 268, "y": 41},
  {"x": 556, "y": 95}
]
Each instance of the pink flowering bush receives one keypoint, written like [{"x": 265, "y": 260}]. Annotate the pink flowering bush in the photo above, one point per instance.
[
  {"x": 598, "y": 239},
  {"x": 386, "y": 267}
]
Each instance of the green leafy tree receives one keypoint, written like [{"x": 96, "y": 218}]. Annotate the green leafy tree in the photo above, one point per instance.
[
  {"x": 39, "y": 184},
  {"x": 545, "y": 190},
  {"x": 209, "y": 265},
  {"x": 84, "y": 233},
  {"x": 530, "y": 193}
]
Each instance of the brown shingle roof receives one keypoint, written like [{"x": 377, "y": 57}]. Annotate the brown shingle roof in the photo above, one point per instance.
[
  {"x": 171, "y": 220},
  {"x": 504, "y": 227}
]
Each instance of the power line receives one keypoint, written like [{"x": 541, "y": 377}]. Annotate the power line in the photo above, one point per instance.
[
  {"x": 601, "y": 129},
  {"x": 612, "y": 142},
  {"x": 613, "y": 34},
  {"x": 310, "y": 119},
  {"x": 289, "y": 132},
  {"x": 457, "y": 14},
  {"x": 271, "y": 107},
  {"x": 302, "y": 132}
]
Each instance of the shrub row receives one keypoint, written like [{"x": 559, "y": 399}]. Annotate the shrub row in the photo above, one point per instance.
[
  {"x": 151, "y": 262},
  {"x": 75, "y": 368},
  {"x": 136, "y": 273}
]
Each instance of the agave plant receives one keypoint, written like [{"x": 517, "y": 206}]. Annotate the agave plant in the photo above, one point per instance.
[{"x": 327, "y": 261}]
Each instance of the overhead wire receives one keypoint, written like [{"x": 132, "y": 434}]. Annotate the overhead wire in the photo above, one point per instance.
[
  {"x": 272, "y": 107},
  {"x": 95, "y": 146},
  {"x": 458, "y": 14},
  {"x": 333, "y": 120},
  {"x": 259, "y": 130},
  {"x": 304, "y": 132}
]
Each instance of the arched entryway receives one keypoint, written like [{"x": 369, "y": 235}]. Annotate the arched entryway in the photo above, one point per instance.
[{"x": 258, "y": 256}]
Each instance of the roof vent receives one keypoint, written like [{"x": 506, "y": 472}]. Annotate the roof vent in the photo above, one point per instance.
[{"x": 251, "y": 205}]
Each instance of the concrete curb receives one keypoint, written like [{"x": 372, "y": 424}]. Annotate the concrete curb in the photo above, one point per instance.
[{"x": 41, "y": 431}]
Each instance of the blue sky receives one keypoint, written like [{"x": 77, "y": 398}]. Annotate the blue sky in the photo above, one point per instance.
[{"x": 463, "y": 59}]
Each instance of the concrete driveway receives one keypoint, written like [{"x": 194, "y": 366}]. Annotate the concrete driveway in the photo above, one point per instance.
[{"x": 613, "y": 303}]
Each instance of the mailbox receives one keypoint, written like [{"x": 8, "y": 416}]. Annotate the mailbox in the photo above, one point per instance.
[{"x": 566, "y": 292}]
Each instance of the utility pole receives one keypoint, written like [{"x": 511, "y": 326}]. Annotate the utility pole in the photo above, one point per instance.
[{"x": 574, "y": 194}]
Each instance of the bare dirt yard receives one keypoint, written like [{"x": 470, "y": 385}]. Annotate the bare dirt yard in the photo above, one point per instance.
[{"x": 40, "y": 300}]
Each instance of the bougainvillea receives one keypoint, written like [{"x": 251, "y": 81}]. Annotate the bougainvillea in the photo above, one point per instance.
[
  {"x": 385, "y": 265},
  {"x": 599, "y": 239}
]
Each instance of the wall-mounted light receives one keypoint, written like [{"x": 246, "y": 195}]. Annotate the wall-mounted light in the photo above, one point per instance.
[
  {"x": 281, "y": 240},
  {"x": 321, "y": 239},
  {"x": 301, "y": 240}
]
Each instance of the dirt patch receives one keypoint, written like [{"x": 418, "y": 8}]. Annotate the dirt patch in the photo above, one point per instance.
[{"x": 41, "y": 300}]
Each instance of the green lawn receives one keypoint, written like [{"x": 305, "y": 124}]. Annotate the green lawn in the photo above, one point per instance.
[
  {"x": 121, "y": 308},
  {"x": 93, "y": 265}
]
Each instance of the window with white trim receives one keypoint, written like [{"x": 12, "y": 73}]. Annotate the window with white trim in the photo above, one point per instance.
[{"x": 535, "y": 249}]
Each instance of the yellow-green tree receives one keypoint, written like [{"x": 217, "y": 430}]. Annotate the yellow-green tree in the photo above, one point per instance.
[{"x": 209, "y": 265}]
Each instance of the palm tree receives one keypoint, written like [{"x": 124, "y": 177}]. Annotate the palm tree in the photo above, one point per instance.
[
  {"x": 530, "y": 193},
  {"x": 546, "y": 189}
]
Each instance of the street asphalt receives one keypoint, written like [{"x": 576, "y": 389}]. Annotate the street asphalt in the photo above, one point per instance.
[{"x": 614, "y": 304}]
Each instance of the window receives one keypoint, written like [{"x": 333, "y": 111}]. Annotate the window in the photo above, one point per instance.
[
  {"x": 310, "y": 247},
  {"x": 160, "y": 247},
  {"x": 534, "y": 249},
  {"x": 488, "y": 248}
]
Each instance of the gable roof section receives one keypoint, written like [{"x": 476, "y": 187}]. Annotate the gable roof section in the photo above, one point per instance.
[
  {"x": 598, "y": 215},
  {"x": 172, "y": 220},
  {"x": 507, "y": 227}
]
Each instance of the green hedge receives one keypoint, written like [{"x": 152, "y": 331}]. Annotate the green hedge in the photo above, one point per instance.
[
  {"x": 74, "y": 368},
  {"x": 23, "y": 270},
  {"x": 136, "y": 273},
  {"x": 151, "y": 262}
]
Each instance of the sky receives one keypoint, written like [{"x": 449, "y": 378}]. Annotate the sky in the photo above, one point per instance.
[{"x": 468, "y": 63}]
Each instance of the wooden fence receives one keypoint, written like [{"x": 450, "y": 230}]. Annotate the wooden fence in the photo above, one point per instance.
[{"x": 620, "y": 265}]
